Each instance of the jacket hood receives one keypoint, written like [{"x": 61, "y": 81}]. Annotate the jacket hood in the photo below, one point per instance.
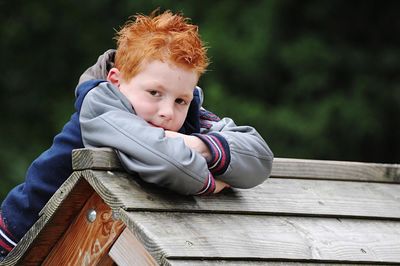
[{"x": 99, "y": 70}]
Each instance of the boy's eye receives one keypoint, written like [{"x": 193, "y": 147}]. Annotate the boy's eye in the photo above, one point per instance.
[
  {"x": 154, "y": 93},
  {"x": 181, "y": 101}
]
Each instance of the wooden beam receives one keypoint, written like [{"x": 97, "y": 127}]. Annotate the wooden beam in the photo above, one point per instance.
[
  {"x": 106, "y": 260},
  {"x": 44, "y": 234},
  {"x": 275, "y": 196},
  {"x": 203, "y": 262},
  {"x": 196, "y": 236},
  {"x": 98, "y": 158},
  {"x": 87, "y": 241},
  {"x": 336, "y": 170},
  {"x": 106, "y": 159},
  {"x": 127, "y": 250}
]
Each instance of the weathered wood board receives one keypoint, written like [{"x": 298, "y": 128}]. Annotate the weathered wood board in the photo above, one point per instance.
[
  {"x": 106, "y": 159},
  {"x": 53, "y": 222},
  {"x": 312, "y": 212},
  {"x": 127, "y": 243},
  {"x": 87, "y": 241},
  {"x": 280, "y": 196},
  {"x": 336, "y": 170},
  {"x": 260, "y": 237}
]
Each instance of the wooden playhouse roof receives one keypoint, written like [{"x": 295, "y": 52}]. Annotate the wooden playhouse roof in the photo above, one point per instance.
[{"x": 308, "y": 212}]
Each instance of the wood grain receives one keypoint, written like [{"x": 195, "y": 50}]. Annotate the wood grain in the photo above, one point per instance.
[
  {"x": 255, "y": 237},
  {"x": 99, "y": 158},
  {"x": 275, "y": 196},
  {"x": 177, "y": 262},
  {"x": 109, "y": 191},
  {"x": 305, "y": 214},
  {"x": 336, "y": 170},
  {"x": 85, "y": 242},
  {"x": 106, "y": 159},
  {"x": 74, "y": 182},
  {"x": 38, "y": 241},
  {"x": 127, "y": 250},
  {"x": 106, "y": 260},
  {"x": 25, "y": 245}
]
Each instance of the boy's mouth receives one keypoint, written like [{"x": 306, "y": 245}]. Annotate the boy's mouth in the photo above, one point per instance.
[{"x": 153, "y": 125}]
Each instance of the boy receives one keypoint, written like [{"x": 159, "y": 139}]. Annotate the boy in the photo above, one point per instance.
[{"x": 142, "y": 100}]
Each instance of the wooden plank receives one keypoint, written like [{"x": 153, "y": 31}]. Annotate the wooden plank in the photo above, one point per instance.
[
  {"x": 86, "y": 242},
  {"x": 16, "y": 255},
  {"x": 99, "y": 158},
  {"x": 74, "y": 182},
  {"x": 256, "y": 237},
  {"x": 109, "y": 191},
  {"x": 40, "y": 239},
  {"x": 275, "y": 196},
  {"x": 106, "y": 159},
  {"x": 336, "y": 170},
  {"x": 106, "y": 260},
  {"x": 127, "y": 250},
  {"x": 176, "y": 262}
]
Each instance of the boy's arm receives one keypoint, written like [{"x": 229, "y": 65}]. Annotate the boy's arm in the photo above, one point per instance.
[
  {"x": 107, "y": 119},
  {"x": 193, "y": 142},
  {"x": 240, "y": 156},
  {"x": 199, "y": 146}
]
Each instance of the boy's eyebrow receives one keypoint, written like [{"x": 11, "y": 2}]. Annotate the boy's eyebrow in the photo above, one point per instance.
[
  {"x": 188, "y": 96},
  {"x": 185, "y": 95}
]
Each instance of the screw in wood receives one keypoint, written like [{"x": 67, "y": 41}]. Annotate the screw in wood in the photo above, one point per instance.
[{"x": 91, "y": 215}]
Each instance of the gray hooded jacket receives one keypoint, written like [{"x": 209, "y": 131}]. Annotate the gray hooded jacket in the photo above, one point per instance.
[{"x": 107, "y": 119}]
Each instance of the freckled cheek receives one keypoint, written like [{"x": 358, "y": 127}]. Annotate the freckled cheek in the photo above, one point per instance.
[
  {"x": 145, "y": 110},
  {"x": 180, "y": 119}
]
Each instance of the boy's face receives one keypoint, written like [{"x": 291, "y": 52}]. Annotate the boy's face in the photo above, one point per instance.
[{"x": 160, "y": 93}]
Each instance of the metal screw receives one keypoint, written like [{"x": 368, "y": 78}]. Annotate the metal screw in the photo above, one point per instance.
[
  {"x": 115, "y": 215},
  {"x": 91, "y": 215}
]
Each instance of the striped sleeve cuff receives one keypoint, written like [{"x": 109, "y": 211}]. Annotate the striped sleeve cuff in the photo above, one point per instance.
[
  {"x": 220, "y": 152},
  {"x": 209, "y": 186},
  {"x": 7, "y": 242}
]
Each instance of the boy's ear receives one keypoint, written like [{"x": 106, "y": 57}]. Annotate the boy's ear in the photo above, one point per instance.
[{"x": 114, "y": 76}]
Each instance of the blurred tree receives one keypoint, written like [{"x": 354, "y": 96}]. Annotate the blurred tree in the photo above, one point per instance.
[{"x": 317, "y": 78}]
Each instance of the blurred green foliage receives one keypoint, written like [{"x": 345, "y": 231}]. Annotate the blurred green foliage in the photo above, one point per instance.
[{"x": 318, "y": 78}]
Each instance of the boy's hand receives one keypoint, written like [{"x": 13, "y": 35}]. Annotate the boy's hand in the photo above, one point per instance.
[
  {"x": 198, "y": 145},
  {"x": 192, "y": 142},
  {"x": 220, "y": 185}
]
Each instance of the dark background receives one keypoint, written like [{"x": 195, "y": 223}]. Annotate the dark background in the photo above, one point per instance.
[{"x": 319, "y": 79}]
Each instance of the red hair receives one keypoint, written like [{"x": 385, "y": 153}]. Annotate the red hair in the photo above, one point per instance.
[{"x": 167, "y": 37}]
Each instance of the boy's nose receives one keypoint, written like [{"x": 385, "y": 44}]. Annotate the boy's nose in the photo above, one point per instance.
[{"x": 166, "y": 111}]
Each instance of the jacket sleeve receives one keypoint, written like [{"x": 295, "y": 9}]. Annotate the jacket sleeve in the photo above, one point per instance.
[
  {"x": 108, "y": 120},
  {"x": 240, "y": 156}
]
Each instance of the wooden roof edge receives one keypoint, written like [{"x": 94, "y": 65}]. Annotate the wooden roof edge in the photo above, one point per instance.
[
  {"x": 147, "y": 241},
  {"x": 336, "y": 170},
  {"x": 61, "y": 207},
  {"x": 56, "y": 216},
  {"x": 60, "y": 195},
  {"x": 17, "y": 254},
  {"x": 105, "y": 191},
  {"x": 106, "y": 159},
  {"x": 95, "y": 159},
  {"x": 103, "y": 162}
]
